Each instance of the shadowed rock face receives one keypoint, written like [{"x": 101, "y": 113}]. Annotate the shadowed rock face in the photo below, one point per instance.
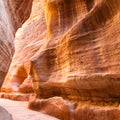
[
  {"x": 19, "y": 79},
  {"x": 12, "y": 15},
  {"x": 4, "y": 115},
  {"x": 70, "y": 49}
]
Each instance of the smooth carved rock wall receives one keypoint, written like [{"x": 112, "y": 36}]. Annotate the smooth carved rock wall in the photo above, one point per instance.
[
  {"x": 26, "y": 44},
  {"x": 12, "y": 15},
  {"x": 71, "y": 50}
]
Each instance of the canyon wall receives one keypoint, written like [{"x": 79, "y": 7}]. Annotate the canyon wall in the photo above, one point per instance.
[
  {"x": 18, "y": 78},
  {"x": 12, "y": 15},
  {"x": 67, "y": 55}
]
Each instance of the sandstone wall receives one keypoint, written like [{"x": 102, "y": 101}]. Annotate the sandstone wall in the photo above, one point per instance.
[
  {"x": 26, "y": 42},
  {"x": 69, "y": 49},
  {"x": 12, "y": 15}
]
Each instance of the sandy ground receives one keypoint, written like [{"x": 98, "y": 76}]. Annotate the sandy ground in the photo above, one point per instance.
[{"x": 19, "y": 111}]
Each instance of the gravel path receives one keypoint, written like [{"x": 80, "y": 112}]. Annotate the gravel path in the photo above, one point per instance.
[{"x": 19, "y": 111}]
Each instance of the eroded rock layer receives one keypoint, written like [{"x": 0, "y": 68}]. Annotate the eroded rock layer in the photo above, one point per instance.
[
  {"x": 69, "y": 49},
  {"x": 26, "y": 42},
  {"x": 12, "y": 15}
]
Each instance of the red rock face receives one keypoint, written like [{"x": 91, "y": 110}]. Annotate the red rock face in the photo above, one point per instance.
[
  {"x": 12, "y": 15},
  {"x": 69, "y": 49},
  {"x": 19, "y": 79}
]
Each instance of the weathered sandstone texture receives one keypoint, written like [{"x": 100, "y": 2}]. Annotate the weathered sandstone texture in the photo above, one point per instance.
[
  {"x": 68, "y": 52},
  {"x": 19, "y": 79},
  {"x": 12, "y": 15}
]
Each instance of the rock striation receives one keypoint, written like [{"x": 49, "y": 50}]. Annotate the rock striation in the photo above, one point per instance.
[
  {"x": 69, "y": 51},
  {"x": 19, "y": 79},
  {"x": 12, "y": 15}
]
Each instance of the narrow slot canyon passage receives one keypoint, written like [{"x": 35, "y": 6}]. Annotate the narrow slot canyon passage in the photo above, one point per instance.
[{"x": 60, "y": 59}]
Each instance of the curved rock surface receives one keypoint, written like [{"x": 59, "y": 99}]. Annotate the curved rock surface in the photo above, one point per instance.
[
  {"x": 12, "y": 15},
  {"x": 65, "y": 110},
  {"x": 69, "y": 49},
  {"x": 4, "y": 115},
  {"x": 19, "y": 79}
]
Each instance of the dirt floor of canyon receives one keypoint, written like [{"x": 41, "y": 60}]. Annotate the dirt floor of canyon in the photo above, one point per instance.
[{"x": 19, "y": 111}]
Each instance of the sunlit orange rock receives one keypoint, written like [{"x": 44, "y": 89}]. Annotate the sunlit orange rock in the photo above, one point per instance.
[
  {"x": 69, "y": 49},
  {"x": 19, "y": 79},
  {"x": 55, "y": 106},
  {"x": 12, "y": 15}
]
